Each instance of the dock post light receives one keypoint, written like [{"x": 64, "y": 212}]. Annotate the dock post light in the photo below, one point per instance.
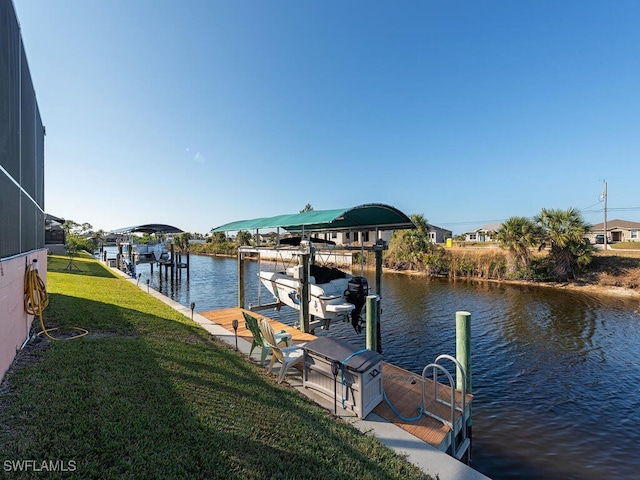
[
  {"x": 193, "y": 305},
  {"x": 235, "y": 329}
]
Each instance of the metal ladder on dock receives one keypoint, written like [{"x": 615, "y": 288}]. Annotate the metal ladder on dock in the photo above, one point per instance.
[{"x": 458, "y": 449}]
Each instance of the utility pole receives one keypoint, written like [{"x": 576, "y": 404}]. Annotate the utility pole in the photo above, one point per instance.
[{"x": 604, "y": 195}]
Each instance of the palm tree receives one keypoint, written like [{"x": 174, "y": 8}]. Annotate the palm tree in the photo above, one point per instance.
[
  {"x": 243, "y": 237},
  {"x": 182, "y": 241},
  {"x": 564, "y": 232},
  {"x": 518, "y": 235},
  {"x": 409, "y": 246}
]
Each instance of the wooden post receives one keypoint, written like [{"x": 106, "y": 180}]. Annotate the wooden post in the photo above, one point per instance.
[
  {"x": 303, "y": 260},
  {"x": 378, "y": 248},
  {"x": 173, "y": 262},
  {"x": 119, "y": 257},
  {"x": 188, "y": 266},
  {"x": 463, "y": 348},
  {"x": 240, "y": 279},
  {"x": 372, "y": 322},
  {"x": 463, "y": 355}
]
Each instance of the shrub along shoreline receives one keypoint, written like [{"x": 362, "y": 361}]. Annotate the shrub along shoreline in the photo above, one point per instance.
[
  {"x": 612, "y": 272},
  {"x": 149, "y": 394}
]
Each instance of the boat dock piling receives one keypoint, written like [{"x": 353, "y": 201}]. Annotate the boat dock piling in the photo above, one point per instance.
[
  {"x": 175, "y": 265},
  {"x": 304, "y": 260},
  {"x": 373, "y": 322},
  {"x": 463, "y": 355}
]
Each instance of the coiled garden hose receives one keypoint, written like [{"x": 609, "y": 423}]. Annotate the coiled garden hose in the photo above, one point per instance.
[
  {"x": 400, "y": 416},
  {"x": 36, "y": 300}
]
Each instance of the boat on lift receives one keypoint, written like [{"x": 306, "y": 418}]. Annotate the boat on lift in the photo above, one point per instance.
[
  {"x": 334, "y": 294},
  {"x": 150, "y": 253},
  {"x": 146, "y": 253}
]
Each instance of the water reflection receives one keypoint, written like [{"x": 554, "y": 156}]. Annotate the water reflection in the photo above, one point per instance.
[{"x": 556, "y": 373}]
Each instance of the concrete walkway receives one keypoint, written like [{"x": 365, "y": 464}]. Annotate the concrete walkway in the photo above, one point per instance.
[{"x": 431, "y": 460}]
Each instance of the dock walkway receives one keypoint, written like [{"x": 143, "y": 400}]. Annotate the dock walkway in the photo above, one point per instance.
[
  {"x": 378, "y": 423},
  {"x": 403, "y": 388}
]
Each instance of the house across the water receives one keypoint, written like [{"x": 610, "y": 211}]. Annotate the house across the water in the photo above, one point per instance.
[
  {"x": 617, "y": 231},
  {"x": 485, "y": 233}
]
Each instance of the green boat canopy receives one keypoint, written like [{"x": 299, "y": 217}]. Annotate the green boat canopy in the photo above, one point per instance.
[
  {"x": 370, "y": 216},
  {"x": 148, "y": 228}
]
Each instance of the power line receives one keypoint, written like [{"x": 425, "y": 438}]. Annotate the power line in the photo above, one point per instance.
[
  {"x": 585, "y": 208},
  {"x": 470, "y": 223},
  {"x": 500, "y": 220}
]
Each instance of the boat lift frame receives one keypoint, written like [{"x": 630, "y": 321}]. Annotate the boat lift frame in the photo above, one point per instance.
[
  {"x": 363, "y": 218},
  {"x": 305, "y": 252}
]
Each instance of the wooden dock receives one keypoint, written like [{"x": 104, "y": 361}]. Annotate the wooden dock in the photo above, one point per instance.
[
  {"x": 402, "y": 388},
  {"x": 225, "y": 317},
  {"x": 404, "y": 391}
]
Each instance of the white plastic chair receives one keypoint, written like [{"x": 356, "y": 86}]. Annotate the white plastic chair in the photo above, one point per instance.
[{"x": 287, "y": 356}]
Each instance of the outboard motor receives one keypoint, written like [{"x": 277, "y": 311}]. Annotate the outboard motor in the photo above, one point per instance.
[{"x": 357, "y": 291}]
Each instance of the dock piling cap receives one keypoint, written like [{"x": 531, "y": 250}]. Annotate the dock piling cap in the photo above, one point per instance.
[{"x": 463, "y": 313}]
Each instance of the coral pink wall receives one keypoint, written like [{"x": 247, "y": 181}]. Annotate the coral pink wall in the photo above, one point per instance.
[{"x": 14, "y": 321}]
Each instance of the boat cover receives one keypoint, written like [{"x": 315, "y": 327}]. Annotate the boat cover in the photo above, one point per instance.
[
  {"x": 369, "y": 216},
  {"x": 149, "y": 228}
]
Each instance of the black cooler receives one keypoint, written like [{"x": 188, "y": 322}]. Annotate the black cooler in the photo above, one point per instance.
[{"x": 358, "y": 384}]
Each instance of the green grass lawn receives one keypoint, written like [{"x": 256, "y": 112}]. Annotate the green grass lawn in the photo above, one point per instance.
[
  {"x": 625, "y": 246},
  {"x": 148, "y": 394}
]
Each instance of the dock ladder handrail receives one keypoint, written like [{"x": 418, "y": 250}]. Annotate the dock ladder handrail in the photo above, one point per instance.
[{"x": 435, "y": 366}]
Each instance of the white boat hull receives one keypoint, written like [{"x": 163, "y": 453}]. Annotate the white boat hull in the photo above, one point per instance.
[
  {"x": 327, "y": 300},
  {"x": 143, "y": 253}
]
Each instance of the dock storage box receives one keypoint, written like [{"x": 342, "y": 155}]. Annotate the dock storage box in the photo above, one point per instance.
[{"x": 361, "y": 390}]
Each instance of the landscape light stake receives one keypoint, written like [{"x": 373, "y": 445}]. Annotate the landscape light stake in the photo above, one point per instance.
[
  {"x": 335, "y": 365},
  {"x": 147, "y": 285},
  {"x": 235, "y": 329},
  {"x": 193, "y": 305}
]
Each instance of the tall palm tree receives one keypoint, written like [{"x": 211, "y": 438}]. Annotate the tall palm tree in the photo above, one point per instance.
[
  {"x": 243, "y": 238},
  {"x": 518, "y": 235},
  {"x": 182, "y": 241},
  {"x": 564, "y": 232},
  {"x": 409, "y": 246}
]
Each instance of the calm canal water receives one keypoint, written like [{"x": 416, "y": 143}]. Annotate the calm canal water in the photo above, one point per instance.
[{"x": 556, "y": 374}]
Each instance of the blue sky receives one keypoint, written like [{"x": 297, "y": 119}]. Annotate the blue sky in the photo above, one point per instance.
[{"x": 198, "y": 113}]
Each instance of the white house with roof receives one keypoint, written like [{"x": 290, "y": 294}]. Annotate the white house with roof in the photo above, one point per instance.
[
  {"x": 436, "y": 235},
  {"x": 485, "y": 233}
]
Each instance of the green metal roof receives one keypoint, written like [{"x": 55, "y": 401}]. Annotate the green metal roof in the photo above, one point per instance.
[
  {"x": 364, "y": 217},
  {"x": 149, "y": 228}
]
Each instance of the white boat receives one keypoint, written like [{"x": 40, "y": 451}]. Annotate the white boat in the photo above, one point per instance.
[
  {"x": 334, "y": 294},
  {"x": 153, "y": 253}
]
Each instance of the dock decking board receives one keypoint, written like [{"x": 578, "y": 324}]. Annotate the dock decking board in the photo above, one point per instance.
[
  {"x": 225, "y": 317},
  {"x": 404, "y": 395}
]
